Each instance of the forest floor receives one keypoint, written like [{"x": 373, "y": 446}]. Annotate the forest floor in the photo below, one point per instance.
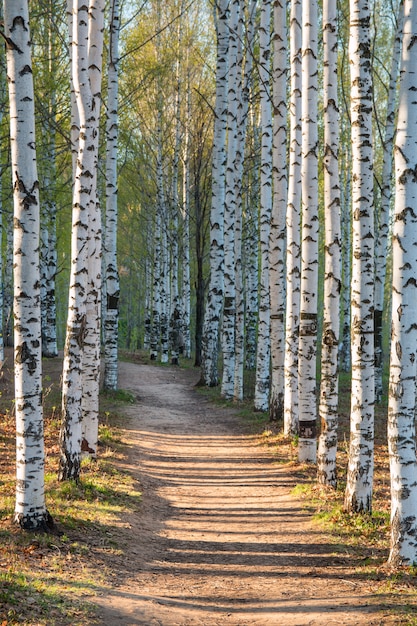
[{"x": 219, "y": 535}]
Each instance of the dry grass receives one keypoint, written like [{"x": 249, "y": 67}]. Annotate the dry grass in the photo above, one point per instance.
[{"x": 48, "y": 580}]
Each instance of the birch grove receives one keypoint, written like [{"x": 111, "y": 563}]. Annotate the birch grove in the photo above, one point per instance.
[{"x": 251, "y": 222}]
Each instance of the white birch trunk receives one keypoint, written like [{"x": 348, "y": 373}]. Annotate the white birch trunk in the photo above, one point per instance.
[
  {"x": 30, "y": 509},
  {"x": 8, "y": 283},
  {"x": 242, "y": 88},
  {"x": 176, "y": 314},
  {"x": 3, "y": 97},
  {"x": 328, "y": 408},
  {"x": 250, "y": 243},
  {"x": 156, "y": 292},
  {"x": 148, "y": 292},
  {"x": 358, "y": 495},
  {"x": 185, "y": 214},
  {"x": 75, "y": 122},
  {"x": 111, "y": 319},
  {"x": 383, "y": 214},
  {"x": 263, "y": 355},
  {"x": 402, "y": 380},
  {"x": 229, "y": 308},
  {"x": 83, "y": 193},
  {"x": 210, "y": 339},
  {"x": 91, "y": 356},
  {"x": 49, "y": 240},
  {"x": 164, "y": 285},
  {"x": 292, "y": 319},
  {"x": 279, "y": 202},
  {"x": 309, "y": 241},
  {"x": 345, "y": 352}
]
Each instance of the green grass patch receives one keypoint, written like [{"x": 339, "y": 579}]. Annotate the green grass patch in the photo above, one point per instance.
[{"x": 119, "y": 395}]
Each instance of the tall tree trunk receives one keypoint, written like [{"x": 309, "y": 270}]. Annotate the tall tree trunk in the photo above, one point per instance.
[
  {"x": 383, "y": 214},
  {"x": 250, "y": 241},
  {"x": 263, "y": 357},
  {"x": 83, "y": 194},
  {"x": 176, "y": 314},
  {"x": 242, "y": 87},
  {"x": 213, "y": 310},
  {"x": 30, "y": 509},
  {"x": 402, "y": 380},
  {"x": 185, "y": 215},
  {"x": 279, "y": 201},
  {"x": 49, "y": 239},
  {"x": 345, "y": 352},
  {"x": 111, "y": 317},
  {"x": 328, "y": 407},
  {"x": 309, "y": 241},
  {"x": 229, "y": 308},
  {"x": 358, "y": 496},
  {"x": 3, "y": 97},
  {"x": 292, "y": 320},
  {"x": 91, "y": 356}
]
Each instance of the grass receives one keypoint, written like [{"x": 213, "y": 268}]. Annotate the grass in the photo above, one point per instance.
[{"x": 50, "y": 579}]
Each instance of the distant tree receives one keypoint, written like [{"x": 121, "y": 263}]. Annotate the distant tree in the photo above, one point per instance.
[{"x": 111, "y": 308}]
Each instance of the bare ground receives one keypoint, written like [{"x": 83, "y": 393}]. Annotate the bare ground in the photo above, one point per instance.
[{"x": 219, "y": 538}]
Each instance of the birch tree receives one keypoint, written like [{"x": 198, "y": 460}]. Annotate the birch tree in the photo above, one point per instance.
[
  {"x": 83, "y": 195},
  {"x": 358, "y": 495},
  {"x": 48, "y": 219},
  {"x": 111, "y": 317},
  {"x": 263, "y": 357},
  {"x": 402, "y": 378},
  {"x": 229, "y": 303},
  {"x": 309, "y": 240},
  {"x": 279, "y": 201},
  {"x": 91, "y": 355},
  {"x": 384, "y": 209},
  {"x": 210, "y": 340},
  {"x": 30, "y": 509},
  {"x": 185, "y": 216},
  {"x": 292, "y": 320},
  {"x": 328, "y": 408}
]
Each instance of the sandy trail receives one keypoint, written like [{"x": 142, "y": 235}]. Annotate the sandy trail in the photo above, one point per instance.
[{"x": 219, "y": 539}]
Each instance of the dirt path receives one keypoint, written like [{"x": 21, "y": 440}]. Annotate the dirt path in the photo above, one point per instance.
[{"x": 219, "y": 539}]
